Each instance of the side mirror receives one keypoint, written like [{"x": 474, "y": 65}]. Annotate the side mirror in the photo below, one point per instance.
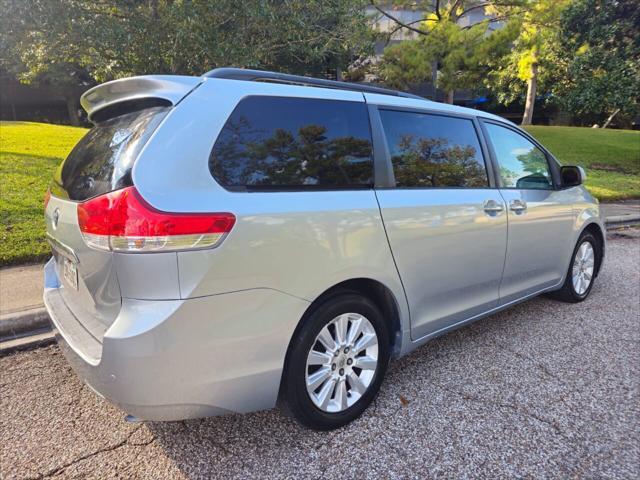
[{"x": 572, "y": 176}]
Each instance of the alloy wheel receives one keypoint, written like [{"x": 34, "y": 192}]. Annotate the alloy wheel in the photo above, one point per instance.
[
  {"x": 583, "y": 266},
  {"x": 342, "y": 362}
]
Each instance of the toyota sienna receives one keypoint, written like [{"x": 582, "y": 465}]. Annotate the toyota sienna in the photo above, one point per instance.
[{"x": 245, "y": 239}]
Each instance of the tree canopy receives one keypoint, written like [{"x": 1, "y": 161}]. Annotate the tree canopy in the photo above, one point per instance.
[
  {"x": 531, "y": 61},
  {"x": 113, "y": 38},
  {"x": 71, "y": 42},
  {"x": 460, "y": 52},
  {"x": 599, "y": 52},
  {"x": 582, "y": 55}
]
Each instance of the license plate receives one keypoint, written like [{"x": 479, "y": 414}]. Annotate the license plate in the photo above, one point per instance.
[{"x": 70, "y": 272}]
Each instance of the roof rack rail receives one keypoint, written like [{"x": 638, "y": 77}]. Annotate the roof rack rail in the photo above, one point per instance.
[{"x": 275, "y": 77}]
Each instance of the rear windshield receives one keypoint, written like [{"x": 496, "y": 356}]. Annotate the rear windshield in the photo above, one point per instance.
[{"x": 102, "y": 161}]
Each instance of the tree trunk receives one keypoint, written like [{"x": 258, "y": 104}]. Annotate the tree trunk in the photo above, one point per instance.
[
  {"x": 532, "y": 86},
  {"x": 449, "y": 98},
  {"x": 434, "y": 79},
  {"x": 72, "y": 110},
  {"x": 606, "y": 124}
]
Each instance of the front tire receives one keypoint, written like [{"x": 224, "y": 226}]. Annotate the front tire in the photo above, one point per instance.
[
  {"x": 337, "y": 362},
  {"x": 582, "y": 270}
]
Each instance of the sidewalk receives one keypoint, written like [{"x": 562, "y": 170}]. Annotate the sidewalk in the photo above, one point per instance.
[
  {"x": 21, "y": 307},
  {"x": 627, "y": 210},
  {"x": 23, "y": 319},
  {"x": 20, "y": 288}
]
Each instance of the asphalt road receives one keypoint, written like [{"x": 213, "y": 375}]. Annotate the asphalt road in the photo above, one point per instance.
[{"x": 543, "y": 390}]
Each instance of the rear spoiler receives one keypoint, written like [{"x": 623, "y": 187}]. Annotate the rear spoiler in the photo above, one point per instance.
[{"x": 115, "y": 97}]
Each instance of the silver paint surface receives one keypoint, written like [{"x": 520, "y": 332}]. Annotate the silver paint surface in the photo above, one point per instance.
[{"x": 449, "y": 251}]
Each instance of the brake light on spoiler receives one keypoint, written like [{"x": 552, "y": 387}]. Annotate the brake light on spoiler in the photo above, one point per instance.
[{"x": 122, "y": 221}]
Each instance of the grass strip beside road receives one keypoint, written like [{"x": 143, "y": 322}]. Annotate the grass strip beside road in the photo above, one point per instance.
[
  {"x": 29, "y": 154},
  {"x": 610, "y": 157}
]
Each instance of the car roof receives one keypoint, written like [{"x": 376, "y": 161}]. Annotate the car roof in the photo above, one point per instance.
[
  {"x": 373, "y": 94},
  {"x": 285, "y": 78},
  {"x": 423, "y": 104},
  {"x": 172, "y": 88}
]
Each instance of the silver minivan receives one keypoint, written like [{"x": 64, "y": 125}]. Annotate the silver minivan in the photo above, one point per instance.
[{"x": 245, "y": 239}]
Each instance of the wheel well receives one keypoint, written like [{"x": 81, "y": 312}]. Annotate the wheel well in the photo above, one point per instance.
[
  {"x": 373, "y": 290},
  {"x": 379, "y": 294},
  {"x": 596, "y": 231}
]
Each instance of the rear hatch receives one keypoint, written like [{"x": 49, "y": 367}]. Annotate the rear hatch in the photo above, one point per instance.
[{"x": 100, "y": 163}]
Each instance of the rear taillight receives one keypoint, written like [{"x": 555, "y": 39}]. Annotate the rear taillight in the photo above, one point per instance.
[
  {"x": 47, "y": 197},
  {"x": 122, "y": 221}
]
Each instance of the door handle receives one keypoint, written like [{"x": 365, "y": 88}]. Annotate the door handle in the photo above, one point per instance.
[
  {"x": 492, "y": 207},
  {"x": 517, "y": 206}
]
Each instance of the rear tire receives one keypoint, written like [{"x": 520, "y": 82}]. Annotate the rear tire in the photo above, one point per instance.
[
  {"x": 337, "y": 362},
  {"x": 582, "y": 270}
]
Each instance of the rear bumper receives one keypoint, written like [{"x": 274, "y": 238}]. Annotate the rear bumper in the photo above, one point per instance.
[{"x": 179, "y": 359}]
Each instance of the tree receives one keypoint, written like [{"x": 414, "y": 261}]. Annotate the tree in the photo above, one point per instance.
[
  {"x": 459, "y": 52},
  {"x": 599, "y": 48},
  {"x": 39, "y": 56},
  {"x": 532, "y": 60},
  {"x": 67, "y": 43},
  {"x": 403, "y": 64}
]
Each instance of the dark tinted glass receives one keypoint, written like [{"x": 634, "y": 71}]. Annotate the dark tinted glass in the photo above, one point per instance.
[
  {"x": 276, "y": 142},
  {"x": 433, "y": 151},
  {"x": 102, "y": 160},
  {"x": 522, "y": 164}
]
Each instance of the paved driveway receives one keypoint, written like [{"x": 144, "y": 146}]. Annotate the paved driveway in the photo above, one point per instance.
[{"x": 545, "y": 389}]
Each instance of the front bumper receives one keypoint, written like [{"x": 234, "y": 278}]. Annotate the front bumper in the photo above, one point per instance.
[{"x": 179, "y": 359}]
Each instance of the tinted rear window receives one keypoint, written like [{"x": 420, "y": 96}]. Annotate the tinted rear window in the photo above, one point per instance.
[
  {"x": 103, "y": 159},
  {"x": 277, "y": 142},
  {"x": 434, "y": 150}
]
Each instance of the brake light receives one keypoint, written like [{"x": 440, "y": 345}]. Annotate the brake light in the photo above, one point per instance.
[{"x": 122, "y": 221}]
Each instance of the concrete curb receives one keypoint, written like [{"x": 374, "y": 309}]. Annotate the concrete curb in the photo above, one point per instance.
[
  {"x": 622, "y": 219},
  {"x": 33, "y": 340},
  {"x": 19, "y": 324},
  {"x": 20, "y": 327}
]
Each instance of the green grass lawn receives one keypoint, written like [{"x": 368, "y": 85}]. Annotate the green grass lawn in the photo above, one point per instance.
[
  {"x": 30, "y": 152},
  {"x": 610, "y": 157}
]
